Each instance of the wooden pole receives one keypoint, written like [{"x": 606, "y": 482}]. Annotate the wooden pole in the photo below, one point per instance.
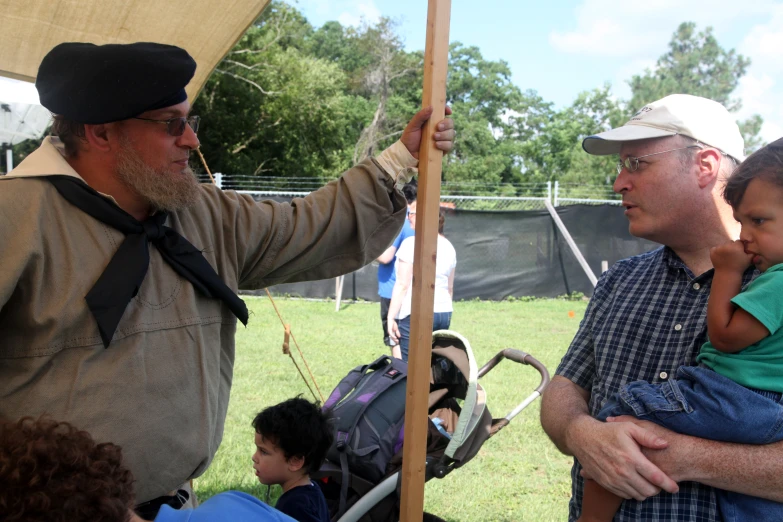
[{"x": 436, "y": 53}]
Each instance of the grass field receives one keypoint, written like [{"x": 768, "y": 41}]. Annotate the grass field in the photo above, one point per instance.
[{"x": 518, "y": 475}]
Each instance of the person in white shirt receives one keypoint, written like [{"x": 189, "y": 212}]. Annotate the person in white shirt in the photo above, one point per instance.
[{"x": 399, "y": 320}]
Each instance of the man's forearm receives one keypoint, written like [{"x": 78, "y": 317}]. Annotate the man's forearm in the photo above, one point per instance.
[
  {"x": 755, "y": 470},
  {"x": 609, "y": 454},
  {"x": 562, "y": 403},
  {"x": 743, "y": 468}
]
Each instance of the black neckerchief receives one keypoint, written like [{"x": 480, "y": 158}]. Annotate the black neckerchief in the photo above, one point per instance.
[{"x": 122, "y": 277}]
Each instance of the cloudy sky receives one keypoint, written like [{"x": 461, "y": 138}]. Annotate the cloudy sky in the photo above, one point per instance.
[{"x": 562, "y": 47}]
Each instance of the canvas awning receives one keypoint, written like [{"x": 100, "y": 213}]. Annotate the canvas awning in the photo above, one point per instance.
[
  {"x": 22, "y": 121},
  {"x": 207, "y": 29}
]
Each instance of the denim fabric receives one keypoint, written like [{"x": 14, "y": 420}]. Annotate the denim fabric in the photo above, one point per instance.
[
  {"x": 440, "y": 321},
  {"x": 702, "y": 403}
]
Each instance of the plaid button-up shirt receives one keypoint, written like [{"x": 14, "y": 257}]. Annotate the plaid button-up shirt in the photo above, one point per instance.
[{"x": 647, "y": 317}]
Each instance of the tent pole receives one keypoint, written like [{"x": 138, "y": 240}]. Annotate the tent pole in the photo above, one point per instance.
[
  {"x": 571, "y": 243},
  {"x": 436, "y": 54}
]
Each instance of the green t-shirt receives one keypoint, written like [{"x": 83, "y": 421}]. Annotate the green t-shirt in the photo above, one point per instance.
[{"x": 760, "y": 365}]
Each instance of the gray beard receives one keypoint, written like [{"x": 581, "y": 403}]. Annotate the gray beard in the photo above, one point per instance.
[{"x": 161, "y": 190}]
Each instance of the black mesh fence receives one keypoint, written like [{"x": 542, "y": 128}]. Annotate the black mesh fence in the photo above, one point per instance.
[{"x": 512, "y": 253}]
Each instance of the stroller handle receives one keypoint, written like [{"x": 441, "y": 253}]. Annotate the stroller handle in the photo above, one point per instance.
[
  {"x": 522, "y": 358},
  {"x": 519, "y": 357}
]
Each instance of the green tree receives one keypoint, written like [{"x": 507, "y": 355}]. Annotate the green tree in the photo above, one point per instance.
[
  {"x": 555, "y": 152},
  {"x": 293, "y": 101},
  {"x": 696, "y": 64},
  {"x": 377, "y": 69},
  {"x": 307, "y": 105},
  {"x": 384, "y": 62},
  {"x": 272, "y": 109},
  {"x": 489, "y": 113},
  {"x": 750, "y": 129}
]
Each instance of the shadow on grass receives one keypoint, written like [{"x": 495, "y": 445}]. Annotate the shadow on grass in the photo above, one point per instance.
[
  {"x": 346, "y": 304},
  {"x": 431, "y": 517}
]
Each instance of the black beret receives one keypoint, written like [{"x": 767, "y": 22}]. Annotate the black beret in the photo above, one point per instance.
[{"x": 94, "y": 84}]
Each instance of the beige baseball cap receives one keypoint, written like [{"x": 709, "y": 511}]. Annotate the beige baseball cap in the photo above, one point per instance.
[{"x": 704, "y": 120}]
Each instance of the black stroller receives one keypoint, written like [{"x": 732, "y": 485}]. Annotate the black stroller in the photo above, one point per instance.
[{"x": 459, "y": 424}]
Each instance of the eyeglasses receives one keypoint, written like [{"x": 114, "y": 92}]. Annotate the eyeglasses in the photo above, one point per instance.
[
  {"x": 631, "y": 164},
  {"x": 176, "y": 126}
]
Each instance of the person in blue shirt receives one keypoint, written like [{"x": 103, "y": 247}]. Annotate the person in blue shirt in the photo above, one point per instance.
[
  {"x": 291, "y": 440},
  {"x": 386, "y": 261}
]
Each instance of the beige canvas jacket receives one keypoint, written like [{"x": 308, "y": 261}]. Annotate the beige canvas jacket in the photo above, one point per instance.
[{"x": 161, "y": 389}]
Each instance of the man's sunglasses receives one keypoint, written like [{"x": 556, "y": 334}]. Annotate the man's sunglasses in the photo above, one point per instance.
[{"x": 176, "y": 126}]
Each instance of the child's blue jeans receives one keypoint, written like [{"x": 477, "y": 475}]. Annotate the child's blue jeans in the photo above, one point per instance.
[{"x": 705, "y": 404}]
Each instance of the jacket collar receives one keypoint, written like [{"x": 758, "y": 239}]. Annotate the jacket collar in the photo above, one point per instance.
[{"x": 46, "y": 160}]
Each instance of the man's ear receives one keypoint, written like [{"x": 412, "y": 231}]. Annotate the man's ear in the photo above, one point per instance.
[
  {"x": 98, "y": 136},
  {"x": 296, "y": 463},
  {"x": 708, "y": 164}
]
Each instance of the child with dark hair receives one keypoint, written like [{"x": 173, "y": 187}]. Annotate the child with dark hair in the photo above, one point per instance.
[
  {"x": 292, "y": 439},
  {"x": 736, "y": 392}
]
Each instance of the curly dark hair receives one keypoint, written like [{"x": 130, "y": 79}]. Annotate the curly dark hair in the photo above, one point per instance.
[
  {"x": 52, "y": 472},
  {"x": 299, "y": 428},
  {"x": 766, "y": 163}
]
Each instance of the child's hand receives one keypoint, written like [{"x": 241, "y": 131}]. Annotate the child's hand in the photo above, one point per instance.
[{"x": 730, "y": 256}]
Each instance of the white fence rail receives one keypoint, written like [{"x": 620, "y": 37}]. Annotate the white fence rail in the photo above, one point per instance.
[{"x": 461, "y": 195}]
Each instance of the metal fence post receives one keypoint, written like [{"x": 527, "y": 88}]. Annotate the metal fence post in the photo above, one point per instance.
[
  {"x": 557, "y": 191},
  {"x": 549, "y": 191},
  {"x": 219, "y": 180}
]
